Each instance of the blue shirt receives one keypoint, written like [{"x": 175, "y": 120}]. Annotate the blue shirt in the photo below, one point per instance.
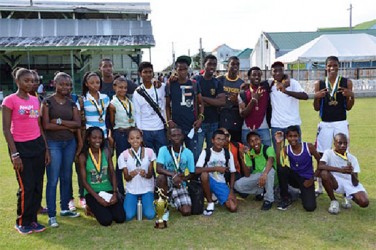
[{"x": 186, "y": 160}]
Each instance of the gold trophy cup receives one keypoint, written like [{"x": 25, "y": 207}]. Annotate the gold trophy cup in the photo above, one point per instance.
[{"x": 160, "y": 207}]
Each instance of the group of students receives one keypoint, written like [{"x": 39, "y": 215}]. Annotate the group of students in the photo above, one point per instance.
[{"x": 158, "y": 129}]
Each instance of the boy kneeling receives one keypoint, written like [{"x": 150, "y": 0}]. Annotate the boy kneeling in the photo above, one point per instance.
[
  {"x": 339, "y": 172},
  {"x": 212, "y": 174},
  {"x": 259, "y": 171}
]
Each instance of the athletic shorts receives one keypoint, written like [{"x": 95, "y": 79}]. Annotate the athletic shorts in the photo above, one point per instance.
[
  {"x": 326, "y": 132},
  {"x": 346, "y": 187},
  {"x": 220, "y": 189}
]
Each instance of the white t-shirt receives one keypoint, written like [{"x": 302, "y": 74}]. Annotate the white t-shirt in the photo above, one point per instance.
[
  {"x": 146, "y": 118},
  {"x": 285, "y": 108},
  {"x": 138, "y": 185},
  {"x": 333, "y": 160},
  {"x": 217, "y": 159}
]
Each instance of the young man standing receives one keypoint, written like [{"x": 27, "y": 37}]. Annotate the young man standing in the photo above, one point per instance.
[
  {"x": 212, "y": 174},
  {"x": 339, "y": 173},
  {"x": 229, "y": 117},
  {"x": 333, "y": 98},
  {"x": 285, "y": 95},
  {"x": 146, "y": 107},
  {"x": 172, "y": 163},
  {"x": 213, "y": 97},
  {"x": 297, "y": 169},
  {"x": 258, "y": 171},
  {"x": 184, "y": 105},
  {"x": 253, "y": 105}
]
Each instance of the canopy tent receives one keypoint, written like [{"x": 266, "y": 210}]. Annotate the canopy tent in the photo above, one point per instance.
[{"x": 347, "y": 47}]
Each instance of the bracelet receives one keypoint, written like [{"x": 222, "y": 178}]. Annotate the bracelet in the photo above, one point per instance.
[
  {"x": 15, "y": 154},
  {"x": 202, "y": 116},
  {"x": 15, "y": 157}
]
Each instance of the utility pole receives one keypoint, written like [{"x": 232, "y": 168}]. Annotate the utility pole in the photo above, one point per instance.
[
  {"x": 201, "y": 55},
  {"x": 350, "y": 9}
]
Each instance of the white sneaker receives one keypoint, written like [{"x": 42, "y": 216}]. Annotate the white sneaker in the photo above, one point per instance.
[
  {"x": 346, "y": 203},
  {"x": 334, "y": 207},
  {"x": 83, "y": 202},
  {"x": 52, "y": 222},
  {"x": 71, "y": 205}
]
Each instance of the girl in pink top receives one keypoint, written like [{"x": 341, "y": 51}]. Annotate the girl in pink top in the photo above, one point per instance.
[{"x": 27, "y": 148}]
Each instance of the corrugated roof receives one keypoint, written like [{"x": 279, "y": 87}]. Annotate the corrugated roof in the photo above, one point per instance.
[
  {"x": 76, "y": 42},
  {"x": 245, "y": 53},
  {"x": 286, "y": 41}
]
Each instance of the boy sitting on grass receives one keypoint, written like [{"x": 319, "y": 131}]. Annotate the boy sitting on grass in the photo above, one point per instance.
[
  {"x": 258, "y": 171},
  {"x": 212, "y": 174},
  {"x": 339, "y": 172},
  {"x": 298, "y": 172}
]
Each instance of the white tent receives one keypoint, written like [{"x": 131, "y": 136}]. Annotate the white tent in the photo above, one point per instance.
[{"x": 347, "y": 47}]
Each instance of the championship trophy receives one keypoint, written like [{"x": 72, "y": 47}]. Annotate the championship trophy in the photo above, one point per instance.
[{"x": 160, "y": 207}]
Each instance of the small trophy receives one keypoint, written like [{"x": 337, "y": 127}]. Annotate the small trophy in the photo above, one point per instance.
[{"x": 160, "y": 207}]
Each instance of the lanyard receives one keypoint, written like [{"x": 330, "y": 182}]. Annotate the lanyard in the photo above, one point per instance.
[
  {"x": 176, "y": 160},
  {"x": 96, "y": 163},
  {"x": 124, "y": 104}
]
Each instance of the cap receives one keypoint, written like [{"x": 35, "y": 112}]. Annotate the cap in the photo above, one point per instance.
[{"x": 184, "y": 58}]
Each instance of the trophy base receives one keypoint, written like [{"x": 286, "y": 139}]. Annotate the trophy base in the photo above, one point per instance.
[{"x": 160, "y": 224}]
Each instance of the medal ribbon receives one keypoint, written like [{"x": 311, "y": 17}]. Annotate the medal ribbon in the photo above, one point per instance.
[
  {"x": 99, "y": 110},
  {"x": 332, "y": 89},
  {"x": 124, "y": 104},
  {"x": 176, "y": 160},
  {"x": 96, "y": 163},
  {"x": 137, "y": 156},
  {"x": 344, "y": 156}
]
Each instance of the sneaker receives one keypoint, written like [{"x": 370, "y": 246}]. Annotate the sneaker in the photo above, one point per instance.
[
  {"x": 68, "y": 213},
  {"x": 71, "y": 205},
  {"x": 37, "y": 228},
  {"x": 346, "y": 203},
  {"x": 52, "y": 222},
  {"x": 334, "y": 207},
  {"x": 266, "y": 205},
  {"x": 23, "y": 229},
  {"x": 284, "y": 204},
  {"x": 83, "y": 202},
  {"x": 209, "y": 209},
  {"x": 43, "y": 210},
  {"x": 214, "y": 199}
]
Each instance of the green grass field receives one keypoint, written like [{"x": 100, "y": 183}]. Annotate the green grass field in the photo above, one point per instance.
[{"x": 249, "y": 228}]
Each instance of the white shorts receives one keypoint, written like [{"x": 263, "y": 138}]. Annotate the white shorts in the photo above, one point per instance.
[
  {"x": 346, "y": 187},
  {"x": 326, "y": 132}
]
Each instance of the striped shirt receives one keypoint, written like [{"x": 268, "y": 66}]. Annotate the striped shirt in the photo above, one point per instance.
[{"x": 91, "y": 111}]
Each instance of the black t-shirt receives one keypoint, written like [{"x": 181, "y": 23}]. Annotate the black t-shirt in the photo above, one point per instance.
[{"x": 210, "y": 88}]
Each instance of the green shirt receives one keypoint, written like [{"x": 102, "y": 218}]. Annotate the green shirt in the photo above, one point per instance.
[
  {"x": 259, "y": 159},
  {"x": 99, "y": 181}
]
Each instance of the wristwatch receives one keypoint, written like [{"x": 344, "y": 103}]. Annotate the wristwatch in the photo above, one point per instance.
[{"x": 58, "y": 121}]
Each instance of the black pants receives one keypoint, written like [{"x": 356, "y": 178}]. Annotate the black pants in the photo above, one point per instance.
[
  {"x": 105, "y": 215},
  {"x": 30, "y": 180},
  {"x": 287, "y": 176}
]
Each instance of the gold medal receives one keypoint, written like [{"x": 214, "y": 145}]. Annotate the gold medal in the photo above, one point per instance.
[
  {"x": 100, "y": 119},
  {"x": 130, "y": 120}
]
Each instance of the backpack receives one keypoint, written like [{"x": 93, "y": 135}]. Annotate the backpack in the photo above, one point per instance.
[{"x": 264, "y": 149}]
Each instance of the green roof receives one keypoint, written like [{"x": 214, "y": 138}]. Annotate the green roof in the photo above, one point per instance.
[
  {"x": 361, "y": 26},
  {"x": 246, "y": 53},
  {"x": 287, "y": 41}
]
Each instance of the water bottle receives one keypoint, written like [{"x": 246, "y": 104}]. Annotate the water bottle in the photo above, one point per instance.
[{"x": 139, "y": 210}]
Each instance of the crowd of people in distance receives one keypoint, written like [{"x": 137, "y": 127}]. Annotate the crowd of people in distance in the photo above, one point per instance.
[{"x": 156, "y": 131}]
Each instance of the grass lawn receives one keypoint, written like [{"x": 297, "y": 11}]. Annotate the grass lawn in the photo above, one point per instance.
[{"x": 249, "y": 228}]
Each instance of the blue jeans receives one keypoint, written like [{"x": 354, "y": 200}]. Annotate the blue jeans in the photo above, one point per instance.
[
  {"x": 62, "y": 157},
  {"x": 121, "y": 144},
  {"x": 195, "y": 144},
  {"x": 263, "y": 132},
  {"x": 154, "y": 139},
  {"x": 130, "y": 205},
  {"x": 274, "y": 130},
  {"x": 207, "y": 132}
]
